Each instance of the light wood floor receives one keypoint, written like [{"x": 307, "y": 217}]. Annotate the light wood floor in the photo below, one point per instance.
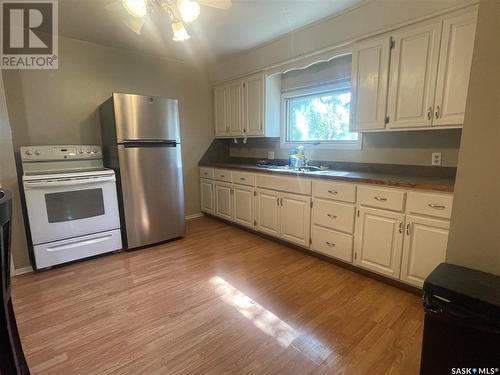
[{"x": 221, "y": 300}]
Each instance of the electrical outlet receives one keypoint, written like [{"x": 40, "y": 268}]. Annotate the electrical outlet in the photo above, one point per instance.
[
  {"x": 436, "y": 158},
  {"x": 270, "y": 155}
]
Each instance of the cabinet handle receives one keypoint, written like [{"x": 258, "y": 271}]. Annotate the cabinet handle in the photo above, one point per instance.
[
  {"x": 408, "y": 229},
  {"x": 334, "y": 192},
  {"x": 242, "y": 178},
  {"x": 332, "y": 216},
  {"x": 331, "y": 244},
  {"x": 436, "y": 206},
  {"x": 380, "y": 199},
  {"x": 281, "y": 202},
  {"x": 244, "y": 130},
  {"x": 400, "y": 227},
  {"x": 429, "y": 113},
  {"x": 278, "y": 201},
  {"x": 222, "y": 176},
  {"x": 438, "y": 112}
]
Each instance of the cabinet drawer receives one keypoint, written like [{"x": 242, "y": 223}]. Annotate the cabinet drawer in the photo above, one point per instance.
[
  {"x": 207, "y": 173},
  {"x": 381, "y": 198},
  {"x": 333, "y": 215},
  {"x": 243, "y": 178},
  {"x": 333, "y": 190},
  {"x": 438, "y": 205},
  {"x": 296, "y": 185},
  {"x": 331, "y": 243},
  {"x": 223, "y": 175}
]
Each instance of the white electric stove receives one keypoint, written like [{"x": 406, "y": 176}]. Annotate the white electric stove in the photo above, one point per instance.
[{"x": 71, "y": 202}]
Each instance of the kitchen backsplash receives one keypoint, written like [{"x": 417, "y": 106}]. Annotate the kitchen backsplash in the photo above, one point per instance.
[{"x": 407, "y": 148}]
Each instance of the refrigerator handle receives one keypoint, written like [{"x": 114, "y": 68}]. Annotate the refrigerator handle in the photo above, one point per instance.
[{"x": 150, "y": 143}]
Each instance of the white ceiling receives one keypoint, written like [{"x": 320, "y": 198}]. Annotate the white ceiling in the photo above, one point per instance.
[{"x": 215, "y": 33}]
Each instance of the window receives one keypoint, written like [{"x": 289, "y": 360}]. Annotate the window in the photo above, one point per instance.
[{"x": 319, "y": 117}]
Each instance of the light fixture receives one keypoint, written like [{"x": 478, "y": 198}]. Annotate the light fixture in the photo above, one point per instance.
[
  {"x": 180, "y": 32},
  {"x": 189, "y": 9},
  {"x": 137, "y": 8}
]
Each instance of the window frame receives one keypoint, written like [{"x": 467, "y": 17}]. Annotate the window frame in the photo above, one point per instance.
[{"x": 344, "y": 85}]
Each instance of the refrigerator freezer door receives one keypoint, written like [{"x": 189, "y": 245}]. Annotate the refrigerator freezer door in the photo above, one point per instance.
[
  {"x": 153, "y": 194},
  {"x": 140, "y": 117}
]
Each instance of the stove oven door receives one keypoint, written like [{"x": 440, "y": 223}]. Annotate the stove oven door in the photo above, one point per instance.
[{"x": 71, "y": 207}]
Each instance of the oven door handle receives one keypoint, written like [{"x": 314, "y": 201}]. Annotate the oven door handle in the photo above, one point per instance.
[{"x": 67, "y": 182}]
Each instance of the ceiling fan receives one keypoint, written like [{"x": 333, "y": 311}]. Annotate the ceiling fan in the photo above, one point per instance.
[{"x": 179, "y": 11}]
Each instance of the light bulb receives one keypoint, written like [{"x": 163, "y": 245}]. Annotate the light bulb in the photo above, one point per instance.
[
  {"x": 137, "y": 8},
  {"x": 190, "y": 10},
  {"x": 180, "y": 32}
]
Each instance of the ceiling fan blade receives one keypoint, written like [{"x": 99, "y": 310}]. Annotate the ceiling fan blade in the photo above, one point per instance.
[
  {"x": 117, "y": 10},
  {"x": 135, "y": 24},
  {"x": 219, "y": 4}
]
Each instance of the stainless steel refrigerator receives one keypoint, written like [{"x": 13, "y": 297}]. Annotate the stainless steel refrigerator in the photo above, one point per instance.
[{"x": 141, "y": 142}]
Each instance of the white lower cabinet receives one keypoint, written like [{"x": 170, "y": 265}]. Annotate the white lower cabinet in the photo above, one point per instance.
[
  {"x": 399, "y": 233},
  {"x": 295, "y": 218},
  {"x": 332, "y": 243},
  {"x": 224, "y": 201},
  {"x": 425, "y": 246},
  {"x": 267, "y": 212},
  {"x": 243, "y": 205},
  {"x": 379, "y": 241},
  {"x": 207, "y": 196},
  {"x": 284, "y": 215}
]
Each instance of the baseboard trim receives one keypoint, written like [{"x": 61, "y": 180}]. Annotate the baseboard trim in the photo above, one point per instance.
[
  {"x": 194, "y": 216},
  {"x": 21, "y": 271}
]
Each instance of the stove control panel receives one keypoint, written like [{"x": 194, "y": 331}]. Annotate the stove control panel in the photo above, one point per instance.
[{"x": 65, "y": 152}]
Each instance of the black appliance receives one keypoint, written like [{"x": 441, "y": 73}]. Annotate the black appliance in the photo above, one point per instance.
[
  {"x": 12, "y": 359},
  {"x": 462, "y": 322}
]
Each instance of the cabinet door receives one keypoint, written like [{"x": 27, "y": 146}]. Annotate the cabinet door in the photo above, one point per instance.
[
  {"x": 243, "y": 205},
  {"x": 267, "y": 212},
  {"x": 207, "y": 196},
  {"x": 295, "y": 218},
  {"x": 221, "y": 121},
  {"x": 412, "y": 84},
  {"x": 253, "y": 105},
  {"x": 425, "y": 246},
  {"x": 235, "y": 112},
  {"x": 224, "y": 201},
  {"x": 370, "y": 69},
  {"x": 379, "y": 241},
  {"x": 455, "y": 61}
]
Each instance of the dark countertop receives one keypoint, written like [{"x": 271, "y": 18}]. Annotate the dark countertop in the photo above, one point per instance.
[{"x": 437, "y": 183}]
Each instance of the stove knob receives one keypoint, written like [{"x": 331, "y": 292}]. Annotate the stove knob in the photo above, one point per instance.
[
  {"x": 37, "y": 152},
  {"x": 29, "y": 152},
  {"x": 80, "y": 151}
]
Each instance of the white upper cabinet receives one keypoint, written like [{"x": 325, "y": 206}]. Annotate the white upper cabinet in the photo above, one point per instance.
[
  {"x": 415, "y": 77},
  {"x": 370, "y": 69},
  {"x": 253, "y": 105},
  {"x": 248, "y": 107},
  {"x": 412, "y": 82},
  {"x": 221, "y": 123},
  {"x": 235, "y": 109},
  {"x": 457, "y": 44}
]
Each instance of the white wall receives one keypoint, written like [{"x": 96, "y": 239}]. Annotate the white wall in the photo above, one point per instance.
[
  {"x": 8, "y": 181},
  {"x": 61, "y": 106},
  {"x": 475, "y": 223},
  {"x": 372, "y": 16}
]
